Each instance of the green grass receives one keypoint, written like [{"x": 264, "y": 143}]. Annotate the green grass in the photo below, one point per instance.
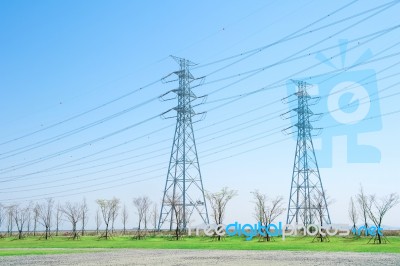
[{"x": 31, "y": 245}]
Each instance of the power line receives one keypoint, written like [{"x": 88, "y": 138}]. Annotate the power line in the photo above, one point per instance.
[
  {"x": 213, "y": 92},
  {"x": 236, "y": 143},
  {"x": 260, "y": 49},
  {"x": 50, "y": 140},
  {"x": 277, "y": 83},
  {"x": 22, "y": 165},
  {"x": 278, "y": 101},
  {"x": 305, "y": 55},
  {"x": 81, "y": 114},
  {"x": 213, "y": 161}
]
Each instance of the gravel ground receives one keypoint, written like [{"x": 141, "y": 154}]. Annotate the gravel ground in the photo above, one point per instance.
[{"x": 204, "y": 257}]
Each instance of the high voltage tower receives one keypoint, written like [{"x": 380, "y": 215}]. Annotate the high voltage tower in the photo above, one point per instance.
[
  {"x": 307, "y": 201},
  {"x": 183, "y": 193}
]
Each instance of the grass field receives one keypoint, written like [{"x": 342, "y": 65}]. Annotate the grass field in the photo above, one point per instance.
[{"x": 57, "y": 245}]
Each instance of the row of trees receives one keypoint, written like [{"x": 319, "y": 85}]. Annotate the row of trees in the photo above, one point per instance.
[
  {"x": 146, "y": 211},
  {"x": 49, "y": 215},
  {"x": 28, "y": 218},
  {"x": 266, "y": 210},
  {"x": 371, "y": 210}
]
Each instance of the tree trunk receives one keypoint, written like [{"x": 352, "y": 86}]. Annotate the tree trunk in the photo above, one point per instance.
[
  {"x": 268, "y": 237},
  {"x": 74, "y": 232},
  {"x": 106, "y": 231},
  {"x": 83, "y": 225},
  {"x": 138, "y": 232},
  {"x": 46, "y": 233}
]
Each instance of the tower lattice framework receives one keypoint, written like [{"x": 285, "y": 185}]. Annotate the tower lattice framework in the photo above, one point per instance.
[
  {"x": 307, "y": 199},
  {"x": 183, "y": 197}
]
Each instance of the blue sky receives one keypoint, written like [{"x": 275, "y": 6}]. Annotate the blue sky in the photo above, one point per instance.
[{"x": 62, "y": 58}]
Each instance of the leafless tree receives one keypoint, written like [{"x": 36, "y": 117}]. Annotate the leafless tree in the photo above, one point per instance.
[
  {"x": 20, "y": 215},
  {"x": 108, "y": 209},
  {"x": 266, "y": 212},
  {"x": 378, "y": 210},
  {"x": 114, "y": 217},
  {"x": 98, "y": 221},
  {"x": 36, "y": 212},
  {"x": 45, "y": 215},
  {"x": 154, "y": 217},
  {"x": 142, "y": 205},
  {"x": 260, "y": 205},
  {"x": 320, "y": 202},
  {"x": 29, "y": 218},
  {"x": 363, "y": 203},
  {"x": 85, "y": 215},
  {"x": 73, "y": 212},
  {"x": 147, "y": 214},
  {"x": 177, "y": 209},
  {"x": 10, "y": 218},
  {"x": 124, "y": 218},
  {"x": 218, "y": 201},
  {"x": 58, "y": 217},
  {"x": 353, "y": 214}
]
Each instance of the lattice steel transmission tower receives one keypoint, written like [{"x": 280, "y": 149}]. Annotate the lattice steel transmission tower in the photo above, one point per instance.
[
  {"x": 307, "y": 201},
  {"x": 184, "y": 192}
]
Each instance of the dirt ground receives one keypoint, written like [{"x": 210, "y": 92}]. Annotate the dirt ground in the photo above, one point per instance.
[{"x": 204, "y": 257}]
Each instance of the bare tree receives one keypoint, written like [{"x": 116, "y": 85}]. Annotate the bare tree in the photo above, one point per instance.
[
  {"x": 98, "y": 221},
  {"x": 20, "y": 215},
  {"x": 177, "y": 209},
  {"x": 218, "y": 202},
  {"x": 363, "y": 203},
  {"x": 267, "y": 213},
  {"x": 124, "y": 218},
  {"x": 45, "y": 215},
  {"x": 146, "y": 214},
  {"x": 58, "y": 217},
  {"x": 108, "y": 209},
  {"x": 154, "y": 217},
  {"x": 320, "y": 202},
  {"x": 85, "y": 215},
  {"x": 260, "y": 206},
  {"x": 73, "y": 212},
  {"x": 10, "y": 218},
  {"x": 114, "y": 217},
  {"x": 29, "y": 218},
  {"x": 142, "y": 205},
  {"x": 378, "y": 210},
  {"x": 353, "y": 214},
  {"x": 36, "y": 212}
]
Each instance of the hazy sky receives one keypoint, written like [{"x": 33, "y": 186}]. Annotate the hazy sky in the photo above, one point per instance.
[{"x": 65, "y": 65}]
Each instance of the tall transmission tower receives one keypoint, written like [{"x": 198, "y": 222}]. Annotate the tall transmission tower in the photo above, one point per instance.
[
  {"x": 307, "y": 201},
  {"x": 184, "y": 192}
]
